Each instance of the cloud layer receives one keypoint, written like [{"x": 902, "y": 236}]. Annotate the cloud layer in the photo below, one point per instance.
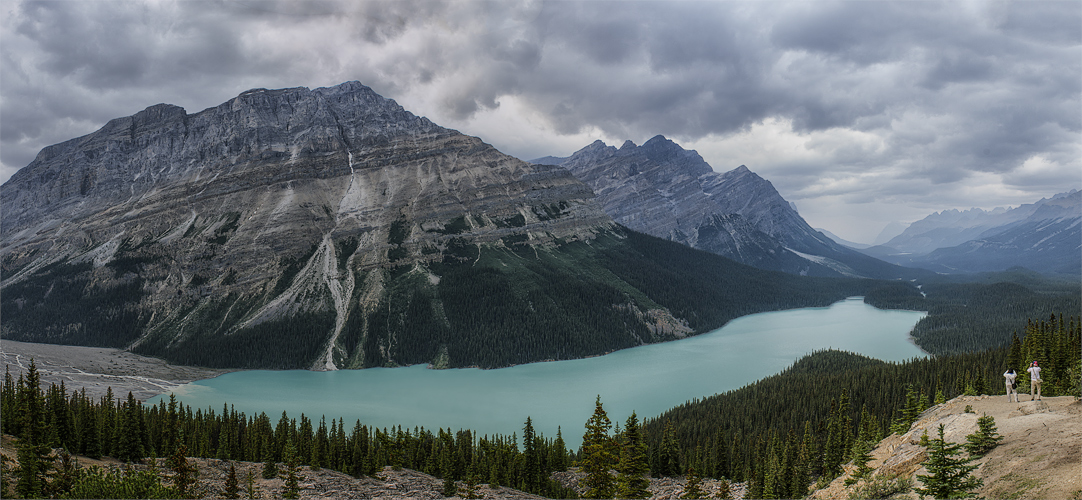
[{"x": 845, "y": 106}]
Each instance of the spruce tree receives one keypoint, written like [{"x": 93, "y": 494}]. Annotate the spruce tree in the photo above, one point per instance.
[
  {"x": 184, "y": 473},
  {"x": 250, "y": 487},
  {"x": 531, "y": 456},
  {"x": 270, "y": 467},
  {"x": 291, "y": 486},
  {"x": 232, "y": 486},
  {"x": 33, "y": 450},
  {"x": 447, "y": 467},
  {"x": 693, "y": 487},
  {"x": 669, "y": 454},
  {"x": 986, "y": 437},
  {"x": 949, "y": 475},
  {"x": 597, "y": 455},
  {"x": 633, "y": 467}
]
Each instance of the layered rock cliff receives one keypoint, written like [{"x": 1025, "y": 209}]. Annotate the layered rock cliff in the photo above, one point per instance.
[{"x": 274, "y": 205}]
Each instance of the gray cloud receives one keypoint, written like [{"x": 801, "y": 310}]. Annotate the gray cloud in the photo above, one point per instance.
[{"x": 949, "y": 89}]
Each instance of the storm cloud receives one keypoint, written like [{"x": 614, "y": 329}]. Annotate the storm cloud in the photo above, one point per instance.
[{"x": 921, "y": 105}]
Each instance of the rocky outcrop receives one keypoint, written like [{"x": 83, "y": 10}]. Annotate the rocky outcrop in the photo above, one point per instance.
[
  {"x": 1037, "y": 457},
  {"x": 664, "y": 190}
]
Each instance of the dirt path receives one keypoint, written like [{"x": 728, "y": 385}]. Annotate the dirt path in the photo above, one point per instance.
[{"x": 97, "y": 368}]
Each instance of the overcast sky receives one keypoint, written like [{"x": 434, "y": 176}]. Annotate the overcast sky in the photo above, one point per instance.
[{"x": 860, "y": 112}]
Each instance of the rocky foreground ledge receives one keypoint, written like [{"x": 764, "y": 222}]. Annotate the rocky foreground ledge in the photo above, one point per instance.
[{"x": 1040, "y": 455}]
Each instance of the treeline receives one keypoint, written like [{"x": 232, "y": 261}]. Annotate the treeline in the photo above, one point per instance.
[
  {"x": 131, "y": 432},
  {"x": 778, "y": 434},
  {"x": 970, "y": 317},
  {"x": 805, "y": 421}
]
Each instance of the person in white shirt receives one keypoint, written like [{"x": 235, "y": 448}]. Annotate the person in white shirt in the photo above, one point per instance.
[
  {"x": 1010, "y": 376},
  {"x": 1034, "y": 381}
]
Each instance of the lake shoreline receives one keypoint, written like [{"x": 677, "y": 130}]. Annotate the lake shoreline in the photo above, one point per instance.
[{"x": 98, "y": 368}]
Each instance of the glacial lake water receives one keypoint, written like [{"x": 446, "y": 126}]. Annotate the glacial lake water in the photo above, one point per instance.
[{"x": 647, "y": 379}]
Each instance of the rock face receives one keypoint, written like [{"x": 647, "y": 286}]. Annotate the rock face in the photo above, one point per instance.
[
  {"x": 664, "y": 190},
  {"x": 279, "y": 207},
  {"x": 330, "y": 228},
  {"x": 1036, "y": 458}
]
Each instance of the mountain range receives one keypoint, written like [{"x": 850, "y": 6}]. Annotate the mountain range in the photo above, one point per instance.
[
  {"x": 663, "y": 190},
  {"x": 1045, "y": 236},
  {"x": 331, "y": 228}
]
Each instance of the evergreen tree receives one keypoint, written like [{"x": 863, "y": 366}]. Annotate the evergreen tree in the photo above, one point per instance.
[
  {"x": 633, "y": 466},
  {"x": 447, "y": 466},
  {"x": 249, "y": 485},
  {"x": 232, "y": 486},
  {"x": 669, "y": 453},
  {"x": 33, "y": 450},
  {"x": 949, "y": 476},
  {"x": 270, "y": 467},
  {"x": 558, "y": 459},
  {"x": 184, "y": 473},
  {"x": 597, "y": 456},
  {"x": 721, "y": 455},
  {"x": 471, "y": 490},
  {"x": 724, "y": 490},
  {"x": 986, "y": 437},
  {"x": 532, "y": 459},
  {"x": 861, "y": 456},
  {"x": 291, "y": 486},
  {"x": 693, "y": 487},
  {"x": 129, "y": 447}
]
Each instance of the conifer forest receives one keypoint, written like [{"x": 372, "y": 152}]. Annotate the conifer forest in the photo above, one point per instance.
[{"x": 779, "y": 434}]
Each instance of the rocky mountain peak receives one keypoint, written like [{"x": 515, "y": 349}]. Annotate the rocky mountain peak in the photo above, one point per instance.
[
  {"x": 279, "y": 201},
  {"x": 664, "y": 190}
]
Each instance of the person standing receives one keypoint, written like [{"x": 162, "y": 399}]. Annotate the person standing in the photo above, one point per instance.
[
  {"x": 1010, "y": 375},
  {"x": 1034, "y": 381}
]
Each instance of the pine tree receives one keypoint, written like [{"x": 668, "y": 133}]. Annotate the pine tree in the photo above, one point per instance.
[
  {"x": 986, "y": 437},
  {"x": 721, "y": 455},
  {"x": 250, "y": 487},
  {"x": 447, "y": 466},
  {"x": 669, "y": 454},
  {"x": 693, "y": 487},
  {"x": 471, "y": 489},
  {"x": 949, "y": 476},
  {"x": 531, "y": 457},
  {"x": 184, "y": 473},
  {"x": 270, "y": 467},
  {"x": 232, "y": 486},
  {"x": 861, "y": 456},
  {"x": 633, "y": 467},
  {"x": 724, "y": 490},
  {"x": 597, "y": 456},
  {"x": 33, "y": 450},
  {"x": 291, "y": 486}
]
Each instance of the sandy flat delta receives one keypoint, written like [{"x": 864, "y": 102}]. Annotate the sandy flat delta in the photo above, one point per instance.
[{"x": 97, "y": 368}]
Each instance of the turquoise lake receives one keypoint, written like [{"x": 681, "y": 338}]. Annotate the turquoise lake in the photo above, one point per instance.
[{"x": 648, "y": 379}]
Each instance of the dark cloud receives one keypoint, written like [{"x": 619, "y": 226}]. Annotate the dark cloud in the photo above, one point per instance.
[{"x": 947, "y": 90}]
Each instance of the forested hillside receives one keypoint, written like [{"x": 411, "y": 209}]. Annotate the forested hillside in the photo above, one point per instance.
[
  {"x": 785, "y": 430},
  {"x": 978, "y": 312},
  {"x": 487, "y": 305},
  {"x": 779, "y": 434}
]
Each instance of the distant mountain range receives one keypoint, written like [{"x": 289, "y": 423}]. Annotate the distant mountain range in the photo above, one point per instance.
[
  {"x": 666, "y": 191},
  {"x": 331, "y": 228},
  {"x": 1045, "y": 236}
]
